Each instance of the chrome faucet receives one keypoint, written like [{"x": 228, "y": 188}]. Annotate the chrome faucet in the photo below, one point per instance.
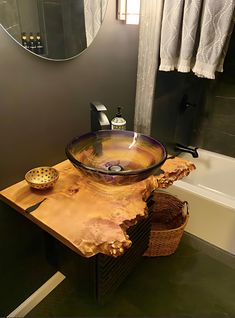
[
  {"x": 192, "y": 151},
  {"x": 99, "y": 120}
]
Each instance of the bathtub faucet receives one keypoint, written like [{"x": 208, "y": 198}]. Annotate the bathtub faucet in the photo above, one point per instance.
[
  {"x": 99, "y": 120},
  {"x": 182, "y": 148}
]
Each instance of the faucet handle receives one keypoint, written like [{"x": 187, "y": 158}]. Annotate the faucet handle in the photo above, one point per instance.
[{"x": 97, "y": 106}]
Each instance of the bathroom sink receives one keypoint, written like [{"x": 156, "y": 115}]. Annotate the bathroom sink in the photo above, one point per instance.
[{"x": 116, "y": 157}]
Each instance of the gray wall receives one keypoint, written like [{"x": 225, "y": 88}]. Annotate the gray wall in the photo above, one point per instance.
[{"x": 43, "y": 104}]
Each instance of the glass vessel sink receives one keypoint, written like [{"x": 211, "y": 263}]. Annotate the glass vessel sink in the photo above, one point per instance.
[{"x": 116, "y": 157}]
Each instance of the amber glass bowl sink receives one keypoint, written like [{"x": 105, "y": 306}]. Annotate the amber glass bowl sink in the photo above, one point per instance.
[{"x": 116, "y": 157}]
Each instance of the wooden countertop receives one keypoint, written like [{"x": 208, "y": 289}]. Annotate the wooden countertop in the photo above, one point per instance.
[{"x": 90, "y": 218}]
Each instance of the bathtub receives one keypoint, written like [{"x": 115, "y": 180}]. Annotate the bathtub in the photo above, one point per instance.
[{"x": 210, "y": 192}]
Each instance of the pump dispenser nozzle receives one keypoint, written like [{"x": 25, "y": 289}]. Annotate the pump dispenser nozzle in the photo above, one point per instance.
[{"x": 119, "y": 114}]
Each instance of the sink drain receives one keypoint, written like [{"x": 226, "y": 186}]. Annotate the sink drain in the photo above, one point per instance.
[{"x": 115, "y": 168}]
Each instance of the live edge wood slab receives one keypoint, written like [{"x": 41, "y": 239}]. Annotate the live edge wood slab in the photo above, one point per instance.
[{"x": 91, "y": 218}]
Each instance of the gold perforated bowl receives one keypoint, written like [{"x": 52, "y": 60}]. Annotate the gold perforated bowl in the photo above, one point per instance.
[{"x": 42, "y": 177}]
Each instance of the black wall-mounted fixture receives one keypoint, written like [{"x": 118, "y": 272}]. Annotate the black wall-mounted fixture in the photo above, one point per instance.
[{"x": 185, "y": 104}]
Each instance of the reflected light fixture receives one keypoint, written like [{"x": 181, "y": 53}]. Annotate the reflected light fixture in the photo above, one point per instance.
[{"x": 128, "y": 11}]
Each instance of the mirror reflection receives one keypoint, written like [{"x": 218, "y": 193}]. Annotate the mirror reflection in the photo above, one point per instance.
[{"x": 53, "y": 29}]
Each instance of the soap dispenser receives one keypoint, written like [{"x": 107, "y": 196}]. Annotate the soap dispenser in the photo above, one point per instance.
[{"x": 118, "y": 122}]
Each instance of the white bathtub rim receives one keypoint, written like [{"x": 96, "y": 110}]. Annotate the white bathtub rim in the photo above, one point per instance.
[
  {"x": 220, "y": 198},
  {"x": 202, "y": 151},
  {"x": 214, "y": 172}
]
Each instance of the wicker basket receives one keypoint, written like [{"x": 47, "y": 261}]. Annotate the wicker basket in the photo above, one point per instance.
[{"x": 170, "y": 216}]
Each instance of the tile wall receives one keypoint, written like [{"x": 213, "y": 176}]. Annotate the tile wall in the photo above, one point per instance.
[
  {"x": 214, "y": 127},
  {"x": 210, "y": 122},
  {"x": 9, "y": 17}
]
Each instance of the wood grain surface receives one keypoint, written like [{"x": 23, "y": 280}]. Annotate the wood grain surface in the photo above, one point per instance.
[{"x": 88, "y": 217}]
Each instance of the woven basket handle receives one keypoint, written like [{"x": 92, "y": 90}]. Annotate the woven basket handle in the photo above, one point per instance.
[{"x": 185, "y": 209}]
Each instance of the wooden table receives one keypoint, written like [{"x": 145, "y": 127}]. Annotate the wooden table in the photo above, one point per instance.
[
  {"x": 89, "y": 225},
  {"x": 90, "y": 218}
]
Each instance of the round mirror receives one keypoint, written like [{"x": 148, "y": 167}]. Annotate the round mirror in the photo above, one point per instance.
[{"x": 53, "y": 29}]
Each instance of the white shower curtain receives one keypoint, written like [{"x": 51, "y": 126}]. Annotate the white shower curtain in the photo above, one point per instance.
[
  {"x": 94, "y": 11},
  {"x": 195, "y": 35}
]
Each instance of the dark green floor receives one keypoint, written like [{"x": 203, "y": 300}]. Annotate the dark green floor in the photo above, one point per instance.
[{"x": 197, "y": 281}]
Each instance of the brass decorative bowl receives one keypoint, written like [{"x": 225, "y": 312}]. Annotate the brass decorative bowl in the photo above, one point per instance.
[
  {"x": 42, "y": 177},
  {"x": 116, "y": 157}
]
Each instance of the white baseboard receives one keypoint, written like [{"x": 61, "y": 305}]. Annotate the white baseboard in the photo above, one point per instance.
[{"x": 33, "y": 300}]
